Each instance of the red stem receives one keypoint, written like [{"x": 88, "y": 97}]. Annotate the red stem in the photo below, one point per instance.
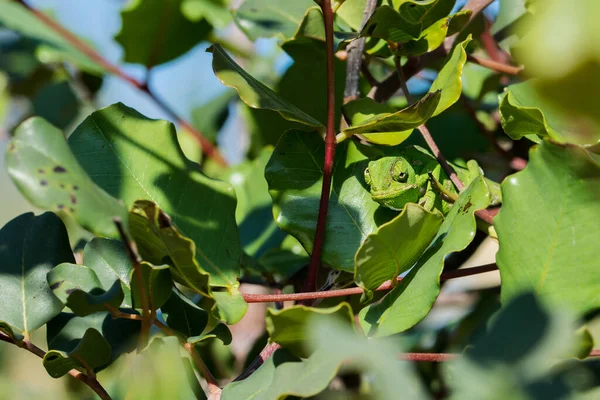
[
  {"x": 494, "y": 65},
  {"x": 330, "y": 142},
  {"x": 207, "y": 147},
  {"x": 428, "y": 357},
  {"x": 269, "y": 298}
]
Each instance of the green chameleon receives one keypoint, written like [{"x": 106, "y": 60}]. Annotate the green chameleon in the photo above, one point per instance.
[{"x": 407, "y": 178}]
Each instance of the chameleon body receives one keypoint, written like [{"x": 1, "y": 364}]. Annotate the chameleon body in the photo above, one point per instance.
[{"x": 396, "y": 180}]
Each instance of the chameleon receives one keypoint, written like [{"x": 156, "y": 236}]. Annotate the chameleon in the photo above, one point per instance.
[{"x": 414, "y": 176}]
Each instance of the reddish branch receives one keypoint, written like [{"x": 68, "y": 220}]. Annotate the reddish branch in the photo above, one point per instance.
[
  {"x": 428, "y": 357},
  {"x": 268, "y": 298},
  {"x": 330, "y": 142},
  {"x": 89, "y": 381},
  {"x": 207, "y": 147},
  {"x": 494, "y": 65}
]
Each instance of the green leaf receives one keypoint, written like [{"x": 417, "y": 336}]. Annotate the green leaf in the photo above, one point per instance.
[
  {"x": 29, "y": 247},
  {"x": 524, "y": 113},
  {"x": 42, "y": 166},
  {"x": 214, "y": 11},
  {"x": 8, "y": 331},
  {"x": 351, "y": 12},
  {"x": 79, "y": 288},
  {"x": 210, "y": 117},
  {"x": 514, "y": 359},
  {"x": 154, "y": 32},
  {"x": 289, "y": 326},
  {"x": 252, "y": 92},
  {"x": 296, "y": 193},
  {"x": 268, "y": 18},
  {"x": 387, "y": 24},
  {"x": 16, "y": 17},
  {"x": 395, "y": 247},
  {"x": 424, "y": 12},
  {"x": 390, "y": 128},
  {"x": 284, "y": 375},
  {"x": 554, "y": 250},
  {"x": 66, "y": 331},
  {"x": 283, "y": 262},
  {"x": 410, "y": 301},
  {"x": 157, "y": 282},
  {"x": 134, "y": 157},
  {"x": 189, "y": 320},
  {"x": 449, "y": 80},
  {"x": 90, "y": 353},
  {"x": 432, "y": 37},
  {"x": 57, "y": 103}
]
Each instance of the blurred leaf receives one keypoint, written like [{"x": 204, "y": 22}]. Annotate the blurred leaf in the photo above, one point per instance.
[
  {"x": 391, "y": 129},
  {"x": 419, "y": 289},
  {"x": 449, "y": 80},
  {"x": 554, "y": 250},
  {"x": 16, "y": 17},
  {"x": 90, "y": 353},
  {"x": 57, "y": 103},
  {"x": 268, "y": 18},
  {"x": 283, "y": 262},
  {"x": 42, "y": 166},
  {"x": 29, "y": 247},
  {"x": 395, "y": 247},
  {"x": 155, "y": 31},
  {"x": 186, "y": 318},
  {"x": 79, "y": 288},
  {"x": 289, "y": 326},
  {"x": 252, "y": 92},
  {"x": 157, "y": 372},
  {"x": 296, "y": 193},
  {"x": 66, "y": 331},
  {"x": 525, "y": 113},
  {"x": 214, "y": 11},
  {"x": 387, "y": 24},
  {"x": 514, "y": 358},
  {"x": 210, "y": 117},
  {"x": 284, "y": 375},
  {"x": 134, "y": 157},
  {"x": 351, "y": 12}
]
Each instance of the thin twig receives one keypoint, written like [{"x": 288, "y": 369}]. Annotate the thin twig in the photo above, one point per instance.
[
  {"x": 428, "y": 357},
  {"x": 330, "y": 143},
  {"x": 494, "y": 65},
  {"x": 264, "y": 355},
  {"x": 207, "y": 147},
  {"x": 91, "y": 382},
  {"x": 269, "y": 298},
  {"x": 214, "y": 391},
  {"x": 136, "y": 260}
]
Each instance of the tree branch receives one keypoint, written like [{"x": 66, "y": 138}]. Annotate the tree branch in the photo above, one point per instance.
[
  {"x": 330, "y": 142},
  {"x": 207, "y": 147},
  {"x": 494, "y": 65},
  {"x": 91, "y": 382},
  {"x": 269, "y": 298},
  {"x": 428, "y": 357}
]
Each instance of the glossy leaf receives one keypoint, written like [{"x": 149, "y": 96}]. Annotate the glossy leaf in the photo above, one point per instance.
[
  {"x": 387, "y": 24},
  {"x": 16, "y": 17},
  {"x": 449, "y": 80},
  {"x": 154, "y": 32},
  {"x": 289, "y": 326},
  {"x": 252, "y": 92},
  {"x": 214, "y": 11},
  {"x": 433, "y": 37},
  {"x": 29, "y": 247},
  {"x": 134, "y": 157},
  {"x": 157, "y": 283},
  {"x": 90, "y": 353},
  {"x": 268, "y": 18},
  {"x": 296, "y": 192},
  {"x": 395, "y": 247},
  {"x": 284, "y": 375},
  {"x": 552, "y": 251},
  {"x": 424, "y": 12},
  {"x": 79, "y": 288},
  {"x": 392, "y": 129},
  {"x": 410, "y": 301},
  {"x": 42, "y": 166}
]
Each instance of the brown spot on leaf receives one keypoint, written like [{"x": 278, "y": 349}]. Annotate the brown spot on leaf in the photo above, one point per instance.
[
  {"x": 60, "y": 206},
  {"x": 75, "y": 187},
  {"x": 163, "y": 220},
  {"x": 73, "y": 199},
  {"x": 43, "y": 182},
  {"x": 60, "y": 169},
  {"x": 55, "y": 285},
  {"x": 62, "y": 186},
  {"x": 467, "y": 206},
  {"x": 41, "y": 171}
]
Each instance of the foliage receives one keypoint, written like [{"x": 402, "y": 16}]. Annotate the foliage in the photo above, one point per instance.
[{"x": 148, "y": 236}]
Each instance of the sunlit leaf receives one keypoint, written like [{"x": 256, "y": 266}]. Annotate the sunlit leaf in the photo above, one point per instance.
[{"x": 214, "y": 11}]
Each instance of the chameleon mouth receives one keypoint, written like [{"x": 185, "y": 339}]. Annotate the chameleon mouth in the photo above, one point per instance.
[{"x": 388, "y": 194}]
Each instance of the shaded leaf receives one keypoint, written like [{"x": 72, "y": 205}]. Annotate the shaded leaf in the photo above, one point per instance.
[
  {"x": 395, "y": 247},
  {"x": 410, "y": 301},
  {"x": 552, "y": 251},
  {"x": 351, "y": 12},
  {"x": 210, "y": 117},
  {"x": 387, "y": 24},
  {"x": 154, "y": 32},
  {"x": 157, "y": 283},
  {"x": 424, "y": 12},
  {"x": 57, "y": 103},
  {"x": 268, "y": 18},
  {"x": 432, "y": 37},
  {"x": 391, "y": 129},
  {"x": 289, "y": 326},
  {"x": 214, "y": 11},
  {"x": 42, "y": 166},
  {"x": 449, "y": 80},
  {"x": 8, "y": 331},
  {"x": 90, "y": 353},
  {"x": 252, "y": 92},
  {"x": 296, "y": 192},
  {"x": 29, "y": 247}
]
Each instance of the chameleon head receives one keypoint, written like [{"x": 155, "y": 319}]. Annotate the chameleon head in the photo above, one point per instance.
[{"x": 392, "y": 182}]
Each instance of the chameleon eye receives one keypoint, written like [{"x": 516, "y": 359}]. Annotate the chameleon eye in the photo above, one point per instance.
[
  {"x": 399, "y": 172},
  {"x": 367, "y": 176}
]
